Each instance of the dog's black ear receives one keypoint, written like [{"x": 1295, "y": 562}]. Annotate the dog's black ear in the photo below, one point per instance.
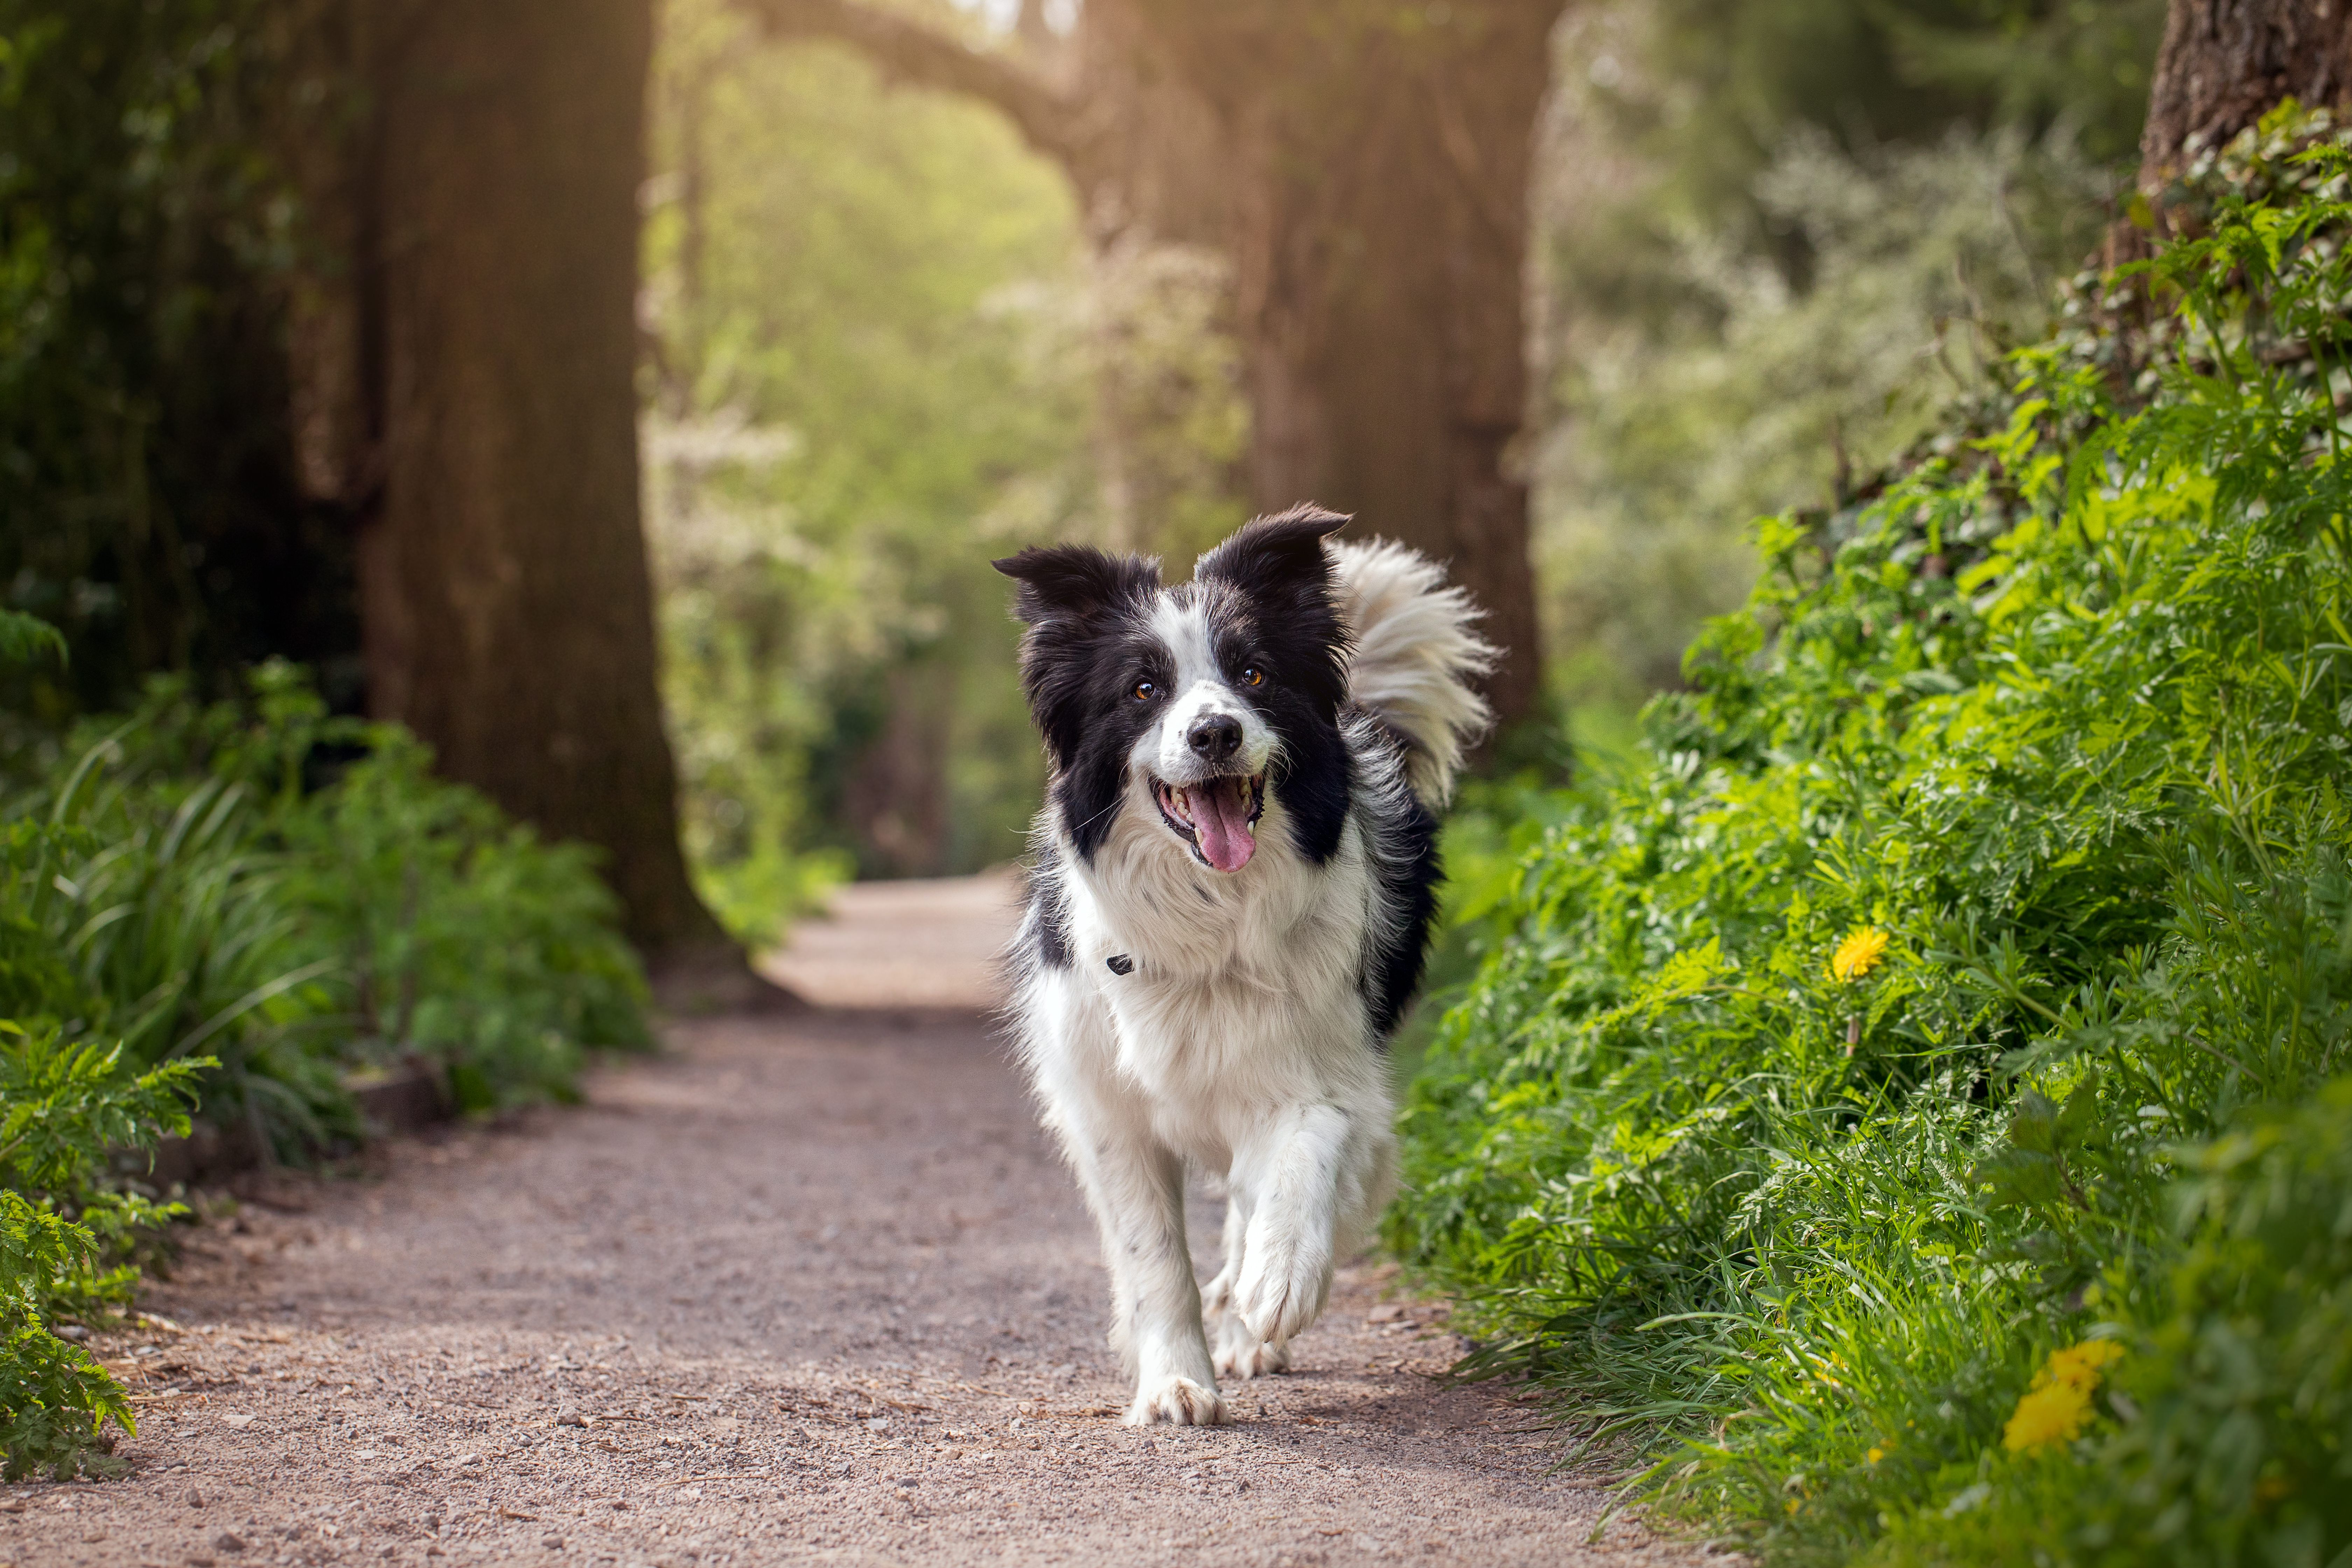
[
  {"x": 1077, "y": 580},
  {"x": 1272, "y": 556}
]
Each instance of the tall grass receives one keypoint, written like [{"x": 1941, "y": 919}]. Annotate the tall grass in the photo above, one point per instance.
[
  {"x": 1832, "y": 1076},
  {"x": 296, "y": 896},
  {"x": 64, "y": 1104},
  {"x": 248, "y": 904}
]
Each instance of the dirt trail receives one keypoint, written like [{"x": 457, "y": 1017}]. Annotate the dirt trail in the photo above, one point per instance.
[{"x": 810, "y": 1290}]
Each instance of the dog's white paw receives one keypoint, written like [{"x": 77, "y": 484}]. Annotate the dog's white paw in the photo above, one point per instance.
[
  {"x": 1241, "y": 1353},
  {"x": 1177, "y": 1400},
  {"x": 1281, "y": 1290},
  {"x": 1245, "y": 1356}
]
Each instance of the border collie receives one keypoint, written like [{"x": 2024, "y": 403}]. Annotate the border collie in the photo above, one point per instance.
[{"x": 1236, "y": 870}]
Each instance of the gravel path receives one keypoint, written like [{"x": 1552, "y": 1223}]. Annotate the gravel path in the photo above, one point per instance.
[{"x": 802, "y": 1289}]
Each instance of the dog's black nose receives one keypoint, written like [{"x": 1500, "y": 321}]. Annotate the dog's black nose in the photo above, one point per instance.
[{"x": 1216, "y": 736}]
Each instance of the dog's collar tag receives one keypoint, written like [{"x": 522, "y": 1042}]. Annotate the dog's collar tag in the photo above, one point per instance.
[{"x": 1120, "y": 964}]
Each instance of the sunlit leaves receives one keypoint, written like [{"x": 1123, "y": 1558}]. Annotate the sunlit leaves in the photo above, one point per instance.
[{"x": 2061, "y": 713}]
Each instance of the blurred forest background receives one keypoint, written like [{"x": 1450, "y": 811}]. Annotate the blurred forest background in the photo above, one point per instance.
[
  {"x": 882, "y": 338},
  {"x": 1764, "y": 232}
]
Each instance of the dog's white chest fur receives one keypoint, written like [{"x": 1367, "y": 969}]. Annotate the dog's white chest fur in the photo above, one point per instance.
[{"x": 1240, "y": 992}]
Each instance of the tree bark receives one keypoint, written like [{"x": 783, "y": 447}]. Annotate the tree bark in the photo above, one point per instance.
[
  {"x": 472, "y": 396},
  {"x": 1366, "y": 169},
  {"x": 1384, "y": 158},
  {"x": 2225, "y": 63}
]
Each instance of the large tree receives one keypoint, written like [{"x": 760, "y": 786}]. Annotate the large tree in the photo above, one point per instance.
[
  {"x": 1364, "y": 165},
  {"x": 467, "y": 355},
  {"x": 2225, "y": 62}
]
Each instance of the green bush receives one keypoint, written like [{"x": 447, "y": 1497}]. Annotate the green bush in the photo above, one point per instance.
[
  {"x": 2246, "y": 1388},
  {"x": 459, "y": 938},
  {"x": 54, "y": 1399},
  {"x": 1824, "y": 1090},
  {"x": 148, "y": 244},
  {"x": 64, "y": 1105},
  {"x": 2228, "y": 1432},
  {"x": 258, "y": 901},
  {"x": 180, "y": 880}
]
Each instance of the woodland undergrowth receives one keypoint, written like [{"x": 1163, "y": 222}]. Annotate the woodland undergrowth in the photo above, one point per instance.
[
  {"x": 1907, "y": 1105},
  {"x": 253, "y": 907}
]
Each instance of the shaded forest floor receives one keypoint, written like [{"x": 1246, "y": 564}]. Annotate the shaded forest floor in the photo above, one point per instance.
[{"x": 802, "y": 1289}]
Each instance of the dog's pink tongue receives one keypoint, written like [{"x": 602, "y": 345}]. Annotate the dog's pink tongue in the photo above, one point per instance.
[{"x": 1221, "y": 811}]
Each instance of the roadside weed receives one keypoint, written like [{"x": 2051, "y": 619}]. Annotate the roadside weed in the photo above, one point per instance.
[
  {"x": 1832, "y": 1081},
  {"x": 252, "y": 901}
]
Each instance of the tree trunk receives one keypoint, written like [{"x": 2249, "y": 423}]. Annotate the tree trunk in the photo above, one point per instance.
[
  {"x": 1366, "y": 169},
  {"x": 897, "y": 797},
  {"x": 472, "y": 387},
  {"x": 1384, "y": 161},
  {"x": 2224, "y": 63}
]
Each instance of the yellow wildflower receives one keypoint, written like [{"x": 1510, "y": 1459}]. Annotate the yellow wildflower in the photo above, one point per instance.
[
  {"x": 2058, "y": 1406},
  {"x": 2052, "y": 1413},
  {"x": 2080, "y": 1364},
  {"x": 1859, "y": 953},
  {"x": 1876, "y": 1455}
]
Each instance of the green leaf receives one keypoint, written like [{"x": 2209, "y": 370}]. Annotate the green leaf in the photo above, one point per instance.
[{"x": 25, "y": 639}]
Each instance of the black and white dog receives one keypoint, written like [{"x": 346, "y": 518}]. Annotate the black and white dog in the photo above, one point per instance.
[{"x": 1236, "y": 867}]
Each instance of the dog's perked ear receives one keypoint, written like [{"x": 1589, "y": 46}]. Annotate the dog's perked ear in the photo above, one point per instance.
[
  {"x": 1081, "y": 604},
  {"x": 1075, "y": 581},
  {"x": 1278, "y": 558},
  {"x": 1277, "y": 574}
]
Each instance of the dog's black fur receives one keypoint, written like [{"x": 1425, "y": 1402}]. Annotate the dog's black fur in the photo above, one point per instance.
[{"x": 1268, "y": 596}]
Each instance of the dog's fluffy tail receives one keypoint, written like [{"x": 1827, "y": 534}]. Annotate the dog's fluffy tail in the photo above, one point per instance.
[{"x": 1417, "y": 655}]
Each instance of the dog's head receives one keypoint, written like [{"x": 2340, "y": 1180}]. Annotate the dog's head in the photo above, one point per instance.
[{"x": 1197, "y": 702}]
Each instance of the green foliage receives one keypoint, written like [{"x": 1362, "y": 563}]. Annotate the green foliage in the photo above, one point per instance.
[
  {"x": 1751, "y": 395},
  {"x": 54, "y": 1399},
  {"x": 180, "y": 883},
  {"x": 64, "y": 1105},
  {"x": 2228, "y": 1437},
  {"x": 26, "y": 639},
  {"x": 1715, "y": 85},
  {"x": 463, "y": 941},
  {"x": 2240, "y": 1448},
  {"x": 1776, "y": 238},
  {"x": 145, "y": 876},
  {"x": 869, "y": 384},
  {"x": 186, "y": 904},
  {"x": 1831, "y": 1068},
  {"x": 151, "y": 510}
]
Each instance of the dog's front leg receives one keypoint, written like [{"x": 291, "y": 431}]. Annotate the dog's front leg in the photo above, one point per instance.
[
  {"x": 1136, "y": 1188},
  {"x": 1238, "y": 1352},
  {"x": 1292, "y": 1175}
]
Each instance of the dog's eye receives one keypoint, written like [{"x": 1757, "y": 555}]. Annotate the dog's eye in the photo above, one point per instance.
[
  {"x": 1252, "y": 676},
  {"x": 1145, "y": 691}
]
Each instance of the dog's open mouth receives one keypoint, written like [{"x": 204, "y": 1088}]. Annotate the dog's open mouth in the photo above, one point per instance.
[{"x": 1217, "y": 816}]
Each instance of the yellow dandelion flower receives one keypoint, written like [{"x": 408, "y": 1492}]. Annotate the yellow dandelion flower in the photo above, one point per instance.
[
  {"x": 2053, "y": 1413},
  {"x": 2080, "y": 1364},
  {"x": 1859, "y": 953},
  {"x": 2058, "y": 1406},
  {"x": 1876, "y": 1455}
]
